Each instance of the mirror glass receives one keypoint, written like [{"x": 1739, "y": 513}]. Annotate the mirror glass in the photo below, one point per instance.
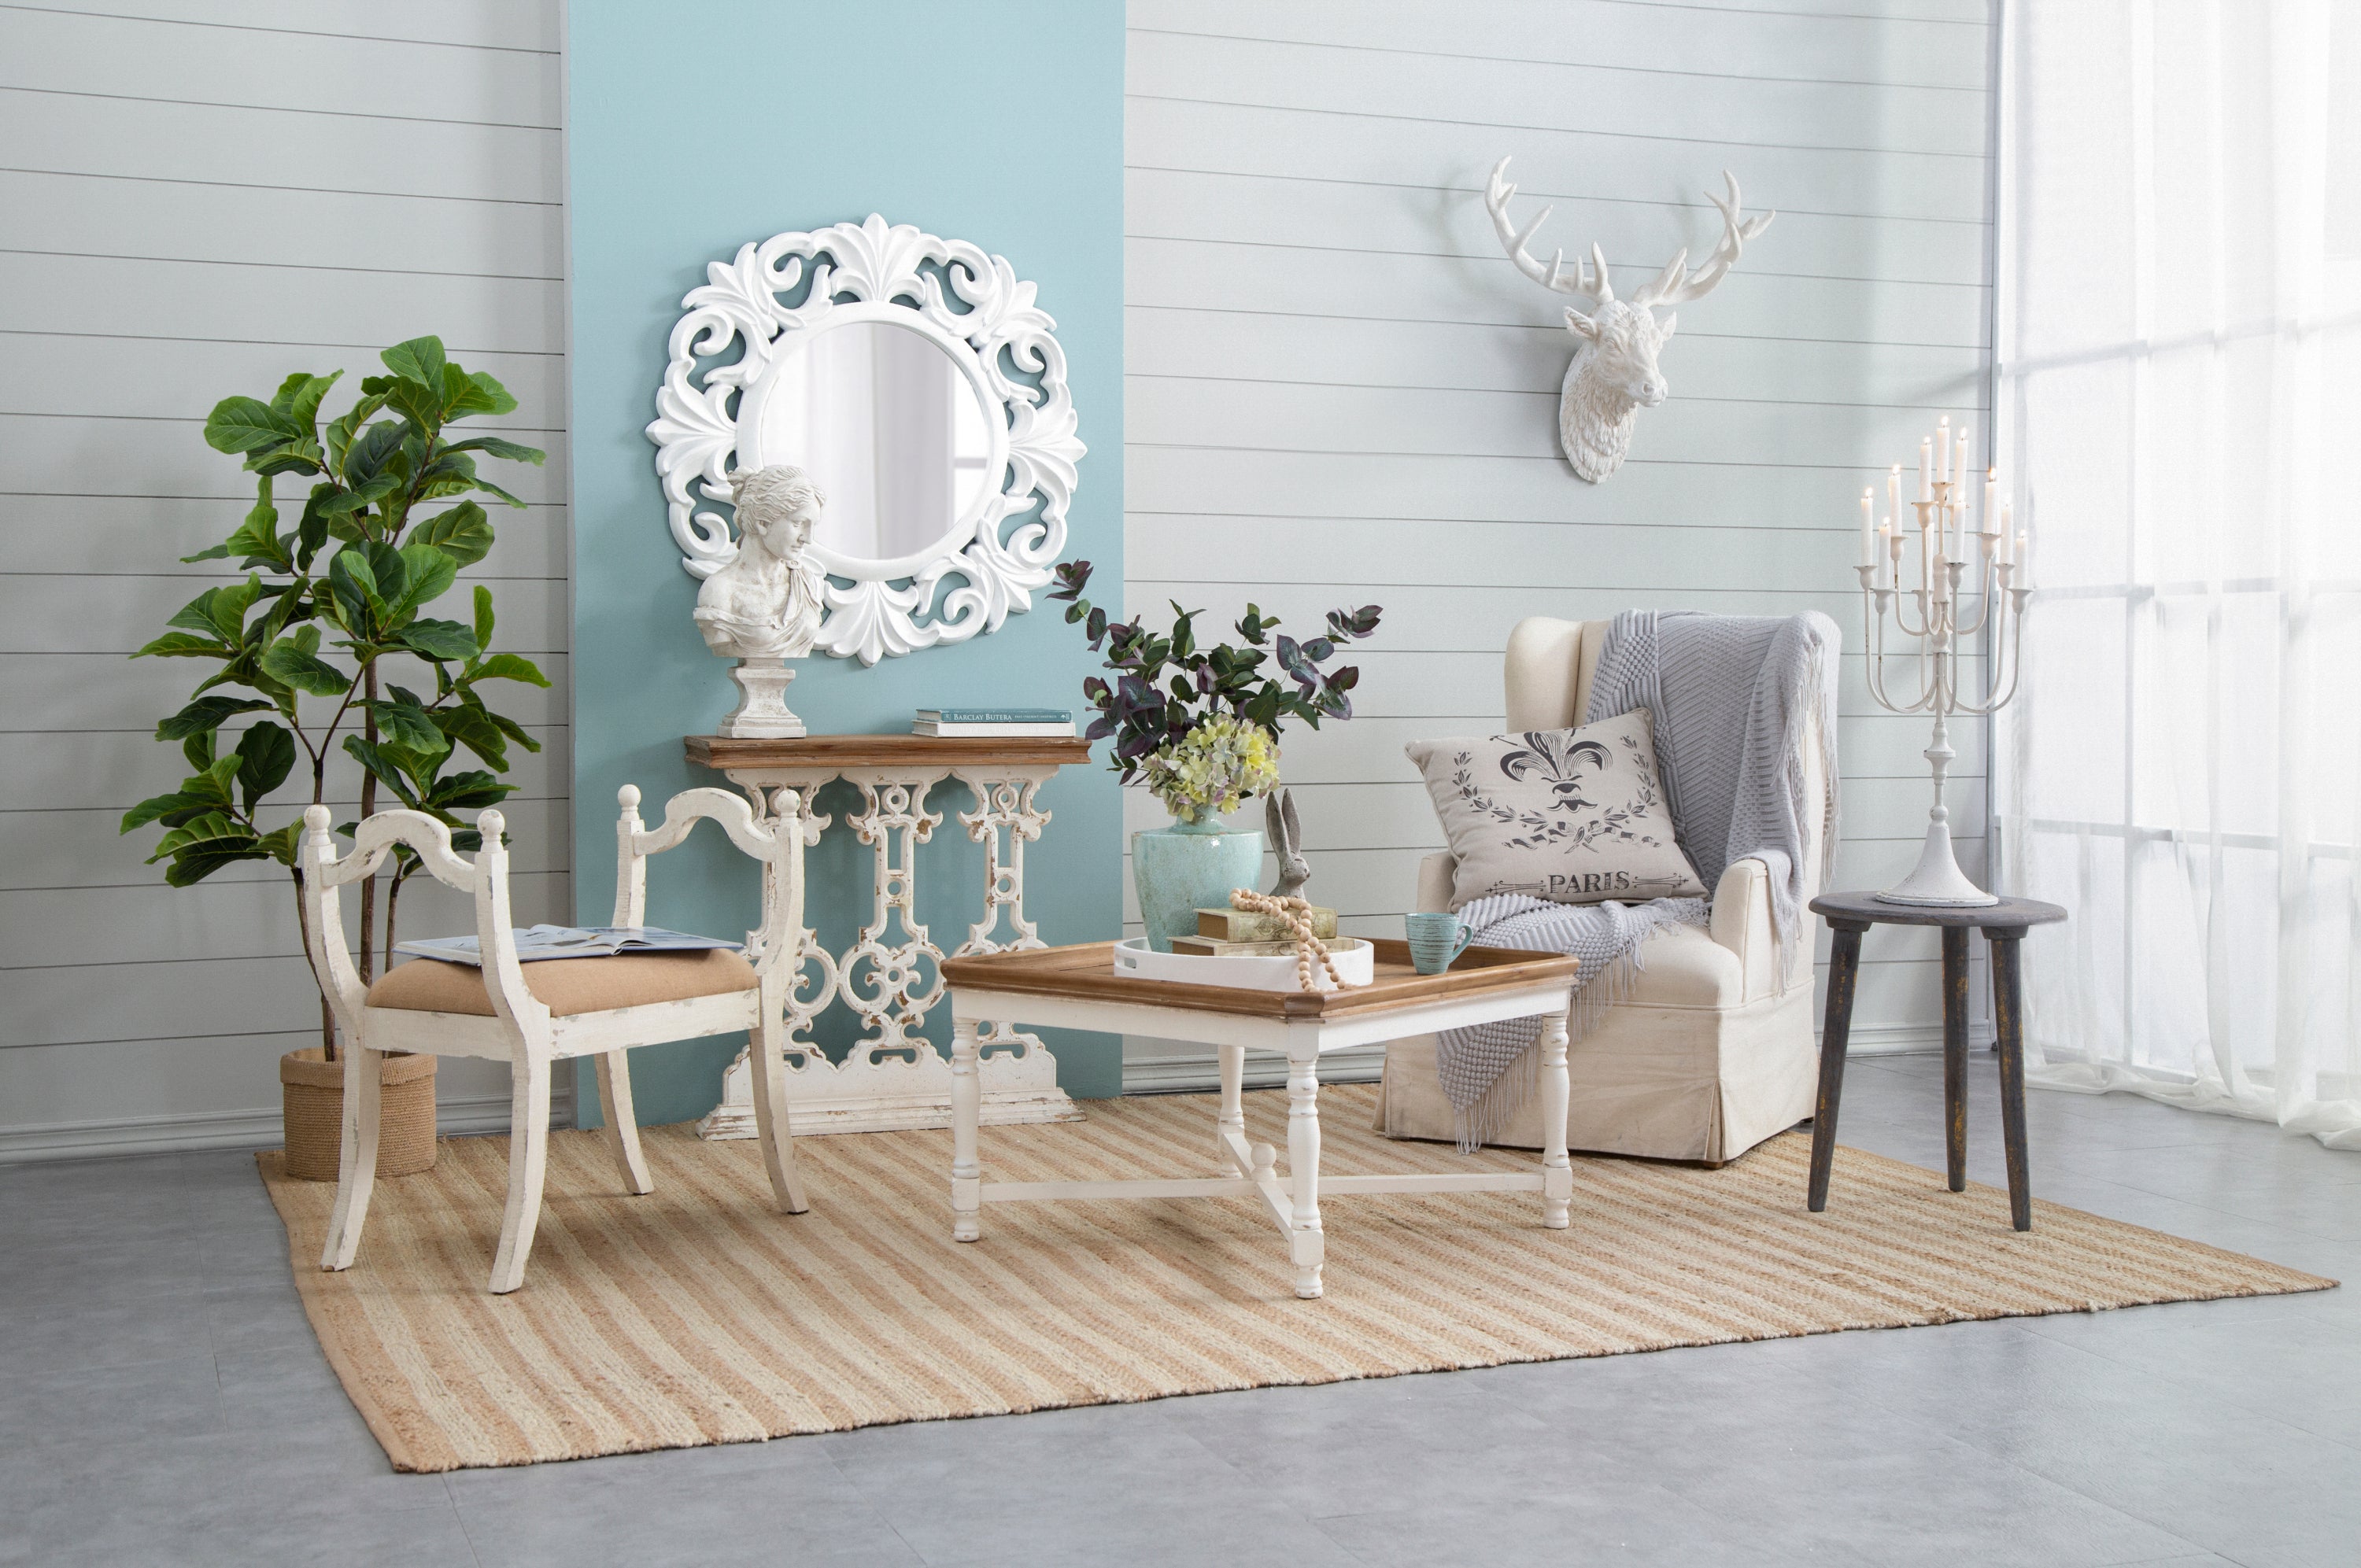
[{"x": 890, "y": 429}]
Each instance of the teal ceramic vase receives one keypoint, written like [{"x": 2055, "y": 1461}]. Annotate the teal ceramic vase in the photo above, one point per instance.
[{"x": 1188, "y": 867}]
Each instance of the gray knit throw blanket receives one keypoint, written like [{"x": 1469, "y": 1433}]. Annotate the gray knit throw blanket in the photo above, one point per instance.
[{"x": 1731, "y": 698}]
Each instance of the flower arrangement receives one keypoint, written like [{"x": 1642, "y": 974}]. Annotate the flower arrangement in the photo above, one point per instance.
[
  {"x": 1200, "y": 725},
  {"x": 1214, "y": 768}
]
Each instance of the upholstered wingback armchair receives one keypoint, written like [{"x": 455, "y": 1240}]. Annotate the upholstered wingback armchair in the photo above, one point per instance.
[{"x": 1712, "y": 1050}]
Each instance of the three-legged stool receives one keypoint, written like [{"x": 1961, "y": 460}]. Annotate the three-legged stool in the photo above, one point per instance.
[{"x": 2003, "y": 925}]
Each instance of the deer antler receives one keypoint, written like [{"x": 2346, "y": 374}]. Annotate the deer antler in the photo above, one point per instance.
[
  {"x": 1676, "y": 283},
  {"x": 1589, "y": 282}
]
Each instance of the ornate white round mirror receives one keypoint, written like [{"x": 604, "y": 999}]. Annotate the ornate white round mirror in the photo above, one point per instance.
[
  {"x": 921, "y": 389},
  {"x": 891, "y": 425}
]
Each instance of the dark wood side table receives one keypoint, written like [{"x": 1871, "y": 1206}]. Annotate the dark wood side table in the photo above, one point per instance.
[{"x": 2003, "y": 926}]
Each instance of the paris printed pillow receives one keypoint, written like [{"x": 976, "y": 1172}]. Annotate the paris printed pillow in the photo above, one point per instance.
[{"x": 1573, "y": 815}]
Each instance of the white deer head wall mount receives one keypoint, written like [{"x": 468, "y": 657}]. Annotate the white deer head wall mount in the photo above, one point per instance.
[{"x": 1614, "y": 373}]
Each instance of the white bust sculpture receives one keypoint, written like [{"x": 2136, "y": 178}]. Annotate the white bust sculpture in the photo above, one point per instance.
[{"x": 765, "y": 604}]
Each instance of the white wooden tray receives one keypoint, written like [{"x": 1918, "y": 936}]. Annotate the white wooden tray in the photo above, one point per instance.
[{"x": 1356, "y": 962}]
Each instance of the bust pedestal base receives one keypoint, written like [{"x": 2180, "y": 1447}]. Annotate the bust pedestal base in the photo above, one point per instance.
[{"x": 761, "y": 713}]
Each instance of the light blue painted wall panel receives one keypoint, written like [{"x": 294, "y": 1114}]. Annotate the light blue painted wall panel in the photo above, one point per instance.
[{"x": 1009, "y": 136}]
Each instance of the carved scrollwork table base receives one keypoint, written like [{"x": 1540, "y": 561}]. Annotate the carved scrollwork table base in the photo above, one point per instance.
[{"x": 889, "y": 976}]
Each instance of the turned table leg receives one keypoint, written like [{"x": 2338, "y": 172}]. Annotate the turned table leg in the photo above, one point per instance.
[
  {"x": 1233, "y": 1119},
  {"x": 1557, "y": 1167},
  {"x": 966, "y": 1110},
  {"x": 1955, "y": 1055},
  {"x": 1844, "y": 970},
  {"x": 2008, "y": 1007},
  {"x": 1306, "y": 1245}
]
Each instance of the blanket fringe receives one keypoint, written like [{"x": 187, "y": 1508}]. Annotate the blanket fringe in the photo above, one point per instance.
[{"x": 1509, "y": 1100}]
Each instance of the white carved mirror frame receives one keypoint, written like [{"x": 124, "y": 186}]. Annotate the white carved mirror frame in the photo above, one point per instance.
[{"x": 1003, "y": 544}]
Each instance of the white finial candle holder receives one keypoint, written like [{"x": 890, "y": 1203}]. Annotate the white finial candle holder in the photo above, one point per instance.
[{"x": 2002, "y": 581}]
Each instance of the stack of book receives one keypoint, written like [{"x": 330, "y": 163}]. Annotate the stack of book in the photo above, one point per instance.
[
  {"x": 1241, "y": 933},
  {"x": 993, "y": 723}
]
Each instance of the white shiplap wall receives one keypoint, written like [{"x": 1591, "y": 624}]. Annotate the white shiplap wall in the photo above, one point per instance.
[
  {"x": 197, "y": 197},
  {"x": 1338, "y": 390}
]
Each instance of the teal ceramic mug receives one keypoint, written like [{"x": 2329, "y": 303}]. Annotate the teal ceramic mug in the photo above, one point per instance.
[{"x": 1435, "y": 940}]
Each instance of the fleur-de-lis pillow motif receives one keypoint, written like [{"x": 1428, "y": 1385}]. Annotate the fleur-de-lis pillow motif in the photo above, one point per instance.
[{"x": 1573, "y": 816}]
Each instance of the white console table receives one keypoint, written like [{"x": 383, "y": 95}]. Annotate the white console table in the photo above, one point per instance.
[{"x": 893, "y": 1078}]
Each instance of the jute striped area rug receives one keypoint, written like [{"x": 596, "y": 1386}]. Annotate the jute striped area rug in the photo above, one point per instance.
[{"x": 697, "y": 1315}]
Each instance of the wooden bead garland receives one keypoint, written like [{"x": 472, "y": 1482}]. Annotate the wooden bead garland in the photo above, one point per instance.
[{"x": 1297, "y": 914}]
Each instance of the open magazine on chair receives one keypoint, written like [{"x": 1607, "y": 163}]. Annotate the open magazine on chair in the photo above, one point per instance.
[{"x": 567, "y": 942}]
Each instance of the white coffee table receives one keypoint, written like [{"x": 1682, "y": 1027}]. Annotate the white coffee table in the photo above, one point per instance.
[{"x": 1077, "y": 988}]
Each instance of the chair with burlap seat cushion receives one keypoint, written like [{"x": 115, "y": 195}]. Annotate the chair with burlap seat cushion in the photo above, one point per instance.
[
  {"x": 533, "y": 1016},
  {"x": 568, "y": 987}
]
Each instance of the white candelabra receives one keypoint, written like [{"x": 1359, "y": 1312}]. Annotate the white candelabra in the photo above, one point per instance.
[{"x": 2004, "y": 577}]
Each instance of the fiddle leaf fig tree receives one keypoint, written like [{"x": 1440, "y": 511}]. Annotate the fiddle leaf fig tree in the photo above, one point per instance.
[{"x": 328, "y": 649}]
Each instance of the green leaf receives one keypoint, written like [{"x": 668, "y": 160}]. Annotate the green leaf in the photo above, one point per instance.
[
  {"x": 514, "y": 730},
  {"x": 266, "y": 755},
  {"x": 257, "y": 539},
  {"x": 192, "y": 866},
  {"x": 248, "y": 424},
  {"x": 149, "y": 809},
  {"x": 358, "y": 581},
  {"x": 227, "y": 605},
  {"x": 388, "y": 770},
  {"x": 197, "y": 615},
  {"x": 410, "y": 727},
  {"x": 421, "y": 406},
  {"x": 438, "y": 640},
  {"x": 310, "y": 529},
  {"x": 341, "y": 428},
  {"x": 280, "y": 844},
  {"x": 419, "y": 360},
  {"x": 464, "y": 533},
  {"x": 486, "y": 397},
  {"x": 360, "y": 496},
  {"x": 488, "y": 485},
  {"x": 290, "y": 663},
  {"x": 305, "y": 404},
  {"x": 508, "y": 668},
  {"x": 300, "y": 456},
  {"x": 483, "y": 615},
  {"x": 371, "y": 451},
  {"x": 199, "y": 749},
  {"x": 494, "y": 446},
  {"x": 205, "y": 712},
  {"x": 472, "y": 727},
  {"x": 427, "y": 572},
  {"x": 185, "y": 645},
  {"x": 210, "y": 785},
  {"x": 470, "y": 791},
  {"x": 284, "y": 398}
]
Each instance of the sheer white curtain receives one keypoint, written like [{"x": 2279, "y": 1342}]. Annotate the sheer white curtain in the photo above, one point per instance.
[{"x": 2179, "y": 392}]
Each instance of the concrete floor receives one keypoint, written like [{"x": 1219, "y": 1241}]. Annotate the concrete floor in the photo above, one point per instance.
[{"x": 162, "y": 1401}]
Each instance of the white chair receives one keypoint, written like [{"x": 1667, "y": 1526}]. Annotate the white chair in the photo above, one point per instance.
[
  {"x": 533, "y": 1016},
  {"x": 1712, "y": 1050}
]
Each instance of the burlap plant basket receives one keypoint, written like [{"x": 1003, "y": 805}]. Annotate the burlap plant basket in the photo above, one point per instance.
[{"x": 313, "y": 1088}]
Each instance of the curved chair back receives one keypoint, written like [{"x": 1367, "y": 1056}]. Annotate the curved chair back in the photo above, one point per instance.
[
  {"x": 487, "y": 877},
  {"x": 777, "y": 841}
]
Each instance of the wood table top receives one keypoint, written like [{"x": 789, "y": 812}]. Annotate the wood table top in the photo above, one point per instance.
[
  {"x": 1855, "y": 908},
  {"x": 1087, "y": 973},
  {"x": 728, "y": 752}
]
